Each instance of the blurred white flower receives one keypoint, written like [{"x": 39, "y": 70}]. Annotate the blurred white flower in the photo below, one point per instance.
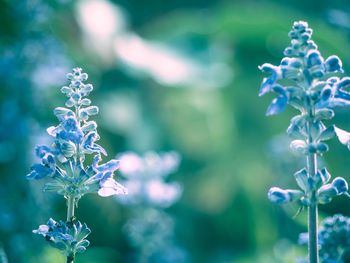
[{"x": 146, "y": 178}]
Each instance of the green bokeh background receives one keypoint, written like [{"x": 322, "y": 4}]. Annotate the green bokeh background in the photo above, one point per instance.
[{"x": 231, "y": 153}]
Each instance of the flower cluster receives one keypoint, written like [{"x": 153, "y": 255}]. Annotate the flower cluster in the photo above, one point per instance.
[
  {"x": 305, "y": 69},
  {"x": 313, "y": 92},
  {"x": 62, "y": 164},
  {"x": 325, "y": 191},
  {"x": 146, "y": 178},
  {"x": 307, "y": 82},
  {"x": 69, "y": 238},
  {"x": 74, "y": 137},
  {"x": 334, "y": 239}
]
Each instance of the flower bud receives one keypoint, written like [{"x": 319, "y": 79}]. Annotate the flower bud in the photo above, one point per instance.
[
  {"x": 83, "y": 115},
  {"x": 312, "y": 148},
  {"x": 69, "y": 76},
  {"x": 76, "y": 96},
  {"x": 60, "y": 112},
  {"x": 69, "y": 103},
  {"x": 295, "y": 63},
  {"x": 314, "y": 58},
  {"x": 343, "y": 83},
  {"x": 340, "y": 185},
  {"x": 278, "y": 195},
  {"x": 285, "y": 61},
  {"x": 288, "y": 51},
  {"x": 92, "y": 110},
  {"x": 83, "y": 76},
  {"x": 326, "y": 193},
  {"x": 86, "y": 89},
  {"x": 85, "y": 102},
  {"x": 66, "y": 90},
  {"x": 305, "y": 37},
  {"x": 316, "y": 71},
  {"x": 333, "y": 64},
  {"x": 89, "y": 126},
  {"x": 322, "y": 148}
]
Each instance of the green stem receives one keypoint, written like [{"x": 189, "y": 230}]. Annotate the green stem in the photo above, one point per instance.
[
  {"x": 70, "y": 219},
  {"x": 312, "y": 213},
  {"x": 70, "y": 208},
  {"x": 70, "y": 259}
]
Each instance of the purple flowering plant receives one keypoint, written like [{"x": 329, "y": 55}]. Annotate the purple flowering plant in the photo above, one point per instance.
[
  {"x": 62, "y": 165},
  {"x": 308, "y": 82}
]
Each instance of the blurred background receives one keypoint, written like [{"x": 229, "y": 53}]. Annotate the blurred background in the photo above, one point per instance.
[{"x": 169, "y": 76}]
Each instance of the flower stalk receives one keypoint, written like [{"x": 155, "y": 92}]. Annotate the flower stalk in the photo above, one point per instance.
[
  {"x": 313, "y": 213},
  {"x": 314, "y": 92},
  {"x": 311, "y": 160},
  {"x": 70, "y": 208},
  {"x": 62, "y": 165}
]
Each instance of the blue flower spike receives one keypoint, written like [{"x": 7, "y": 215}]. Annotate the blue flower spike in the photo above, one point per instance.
[
  {"x": 314, "y": 91},
  {"x": 62, "y": 165},
  {"x": 306, "y": 67}
]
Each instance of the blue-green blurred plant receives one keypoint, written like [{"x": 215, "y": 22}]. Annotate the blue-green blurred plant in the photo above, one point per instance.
[
  {"x": 62, "y": 165},
  {"x": 304, "y": 80},
  {"x": 27, "y": 50},
  {"x": 151, "y": 229},
  {"x": 334, "y": 239}
]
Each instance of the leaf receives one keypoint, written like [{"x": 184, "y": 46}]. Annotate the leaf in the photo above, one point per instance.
[{"x": 301, "y": 178}]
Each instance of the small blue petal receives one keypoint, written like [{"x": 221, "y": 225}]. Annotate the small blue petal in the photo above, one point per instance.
[
  {"x": 41, "y": 150},
  {"x": 279, "y": 89},
  {"x": 74, "y": 136},
  {"x": 278, "y": 195},
  {"x": 266, "y": 85},
  {"x": 334, "y": 102},
  {"x": 39, "y": 171},
  {"x": 333, "y": 64},
  {"x": 70, "y": 124},
  {"x": 314, "y": 58},
  {"x": 277, "y": 106},
  {"x": 111, "y": 165},
  {"x": 326, "y": 93},
  {"x": 269, "y": 68},
  {"x": 340, "y": 184},
  {"x": 343, "y": 83},
  {"x": 89, "y": 143}
]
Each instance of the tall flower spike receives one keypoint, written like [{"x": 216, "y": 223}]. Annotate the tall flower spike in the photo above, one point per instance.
[
  {"x": 314, "y": 93},
  {"x": 305, "y": 66},
  {"x": 63, "y": 166}
]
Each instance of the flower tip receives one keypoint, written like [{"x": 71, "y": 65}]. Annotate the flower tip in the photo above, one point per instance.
[
  {"x": 340, "y": 185},
  {"x": 278, "y": 195}
]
